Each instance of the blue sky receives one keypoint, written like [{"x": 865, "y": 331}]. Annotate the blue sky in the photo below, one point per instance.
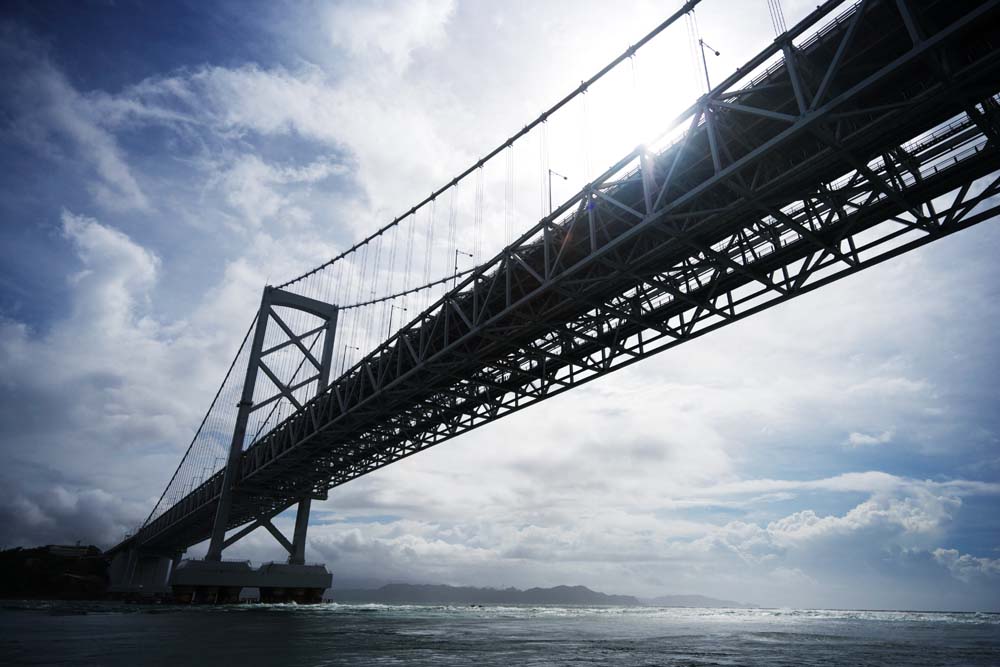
[{"x": 161, "y": 161}]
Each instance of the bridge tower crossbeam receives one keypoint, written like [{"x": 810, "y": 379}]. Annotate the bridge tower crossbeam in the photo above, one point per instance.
[{"x": 272, "y": 299}]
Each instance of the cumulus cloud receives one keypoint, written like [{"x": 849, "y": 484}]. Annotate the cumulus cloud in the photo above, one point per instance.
[
  {"x": 922, "y": 513},
  {"x": 101, "y": 397},
  {"x": 966, "y": 567},
  {"x": 874, "y": 526},
  {"x": 116, "y": 276}
]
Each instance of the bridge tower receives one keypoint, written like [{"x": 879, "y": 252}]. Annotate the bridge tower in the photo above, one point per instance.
[
  {"x": 215, "y": 580},
  {"x": 272, "y": 299}
]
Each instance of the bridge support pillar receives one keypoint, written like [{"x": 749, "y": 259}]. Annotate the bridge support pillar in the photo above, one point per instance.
[
  {"x": 298, "y": 554},
  {"x": 138, "y": 574},
  {"x": 272, "y": 299}
]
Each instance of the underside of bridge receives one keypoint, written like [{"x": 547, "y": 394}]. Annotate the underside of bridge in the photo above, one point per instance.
[{"x": 848, "y": 141}]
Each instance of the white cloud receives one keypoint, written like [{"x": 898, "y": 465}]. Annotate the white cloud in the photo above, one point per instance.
[
  {"x": 50, "y": 110},
  {"x": 108, "y": 392},
  {"x": 253, "y": 188},
  {"x": 400, "y": 150},
  {"x": 920, "y": 513},
  {"x": 392, "y": 29},
  {"x": 856, "y": 439},
  {"x": 967, "y": 567},
  {"x": 116, "y": 277}
]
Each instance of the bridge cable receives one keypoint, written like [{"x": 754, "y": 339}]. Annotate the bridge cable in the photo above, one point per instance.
[
  {"x": 365, "y": 318},
  {"x": 585, "y": 134},
  {"x": 407, "y": 292},
  {"x": 429, "y": 248},
  {"x": 452, "y": 245},
  {"x": 637, "y": 125},
  {"x": 357, "y": 319},
  {"x": 777, "y": 17},
  {"x": 204, "y": 419},
  {"x": 696, "y": 61},
  {"x": 545, "y": 195},
  {"x": 223, "y": 416},
  {"x": 409, "y": 252},
  {"x": 390, "y": 279},
  {"x": 508, "y": 184},
  {"x": 376, "y": 272},
  {"x": 478, "y": 213},
  {"x": 688, "y": 6}
]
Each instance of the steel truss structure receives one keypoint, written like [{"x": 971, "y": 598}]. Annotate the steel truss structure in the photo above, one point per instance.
[
  {"x": 876, "y": 135},
  {"x": 325, "y": 316}
]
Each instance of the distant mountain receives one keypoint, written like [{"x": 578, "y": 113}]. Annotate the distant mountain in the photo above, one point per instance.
[
  {"x": 693, "y": 601},
  {"x": 431, "y": 594}
]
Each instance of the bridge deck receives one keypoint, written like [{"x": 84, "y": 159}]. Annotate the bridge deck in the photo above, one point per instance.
[{"x": 834, "y": 159}]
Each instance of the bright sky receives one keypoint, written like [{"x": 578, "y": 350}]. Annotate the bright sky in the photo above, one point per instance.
[{"x": 161, "y": 161}]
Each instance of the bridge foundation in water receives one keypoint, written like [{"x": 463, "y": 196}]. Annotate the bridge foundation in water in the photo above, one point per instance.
[
  {"x": 220, "y": 582},
  {"x": 141, "y": 574},
  {"x": 150, "y": 577}
]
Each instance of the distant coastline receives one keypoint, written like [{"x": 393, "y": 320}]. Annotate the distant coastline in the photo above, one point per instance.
[
  {"x": 557, "y": 595},
  {"x": 77, "y": 572},
  {"x": 53, "y": 572}
]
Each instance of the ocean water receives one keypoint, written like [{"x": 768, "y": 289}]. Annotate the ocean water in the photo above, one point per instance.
[{"x": 51, "y": 633}]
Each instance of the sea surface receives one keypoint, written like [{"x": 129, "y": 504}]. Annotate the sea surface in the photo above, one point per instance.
[{"x": 60, "y": 633}]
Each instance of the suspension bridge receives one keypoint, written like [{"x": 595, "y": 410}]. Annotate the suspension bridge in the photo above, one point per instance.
[{"x": 864, "y": 131}]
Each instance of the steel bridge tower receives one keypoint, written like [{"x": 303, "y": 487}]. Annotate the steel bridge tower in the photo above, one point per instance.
[{"x": 214, "y": 579}]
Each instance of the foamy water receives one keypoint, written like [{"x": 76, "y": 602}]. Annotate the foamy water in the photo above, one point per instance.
[{"x": 332, "y": 634}]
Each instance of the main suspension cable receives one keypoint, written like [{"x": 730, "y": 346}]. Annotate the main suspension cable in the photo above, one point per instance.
[
  {"x": 582, "y": 88},
  {"x": 389, "y": 297},
  {"x": 232, "y": 365}
]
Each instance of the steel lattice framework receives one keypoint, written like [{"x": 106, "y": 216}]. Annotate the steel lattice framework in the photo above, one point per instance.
[{"x": 876, "y": 135}]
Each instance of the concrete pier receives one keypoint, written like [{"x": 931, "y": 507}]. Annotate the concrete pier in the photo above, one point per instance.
[
  {"x": 140, "y": 575},
  {"x": 220, "y": 582}
]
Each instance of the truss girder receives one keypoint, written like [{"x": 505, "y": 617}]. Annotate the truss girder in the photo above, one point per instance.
[{"x": 866, "y": 148}]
